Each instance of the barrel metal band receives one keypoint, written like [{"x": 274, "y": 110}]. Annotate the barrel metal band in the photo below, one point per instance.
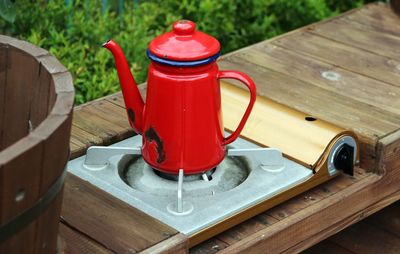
[{"x": 20, "y": 221}]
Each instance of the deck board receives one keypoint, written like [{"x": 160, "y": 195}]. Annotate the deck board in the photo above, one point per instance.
[
  {"x": 348, "y": 57},
  {"x": 368, "y": 239},
  {"x": 388, "y": 219},
  {"x": 361, "y": 37},
  {"x": 311, "y": 70},
  {"x": 327, "y": 247},
  {"x": 82, "y": 244},
  {"x": 113, "y": 223},
  {"x": 377, "y": 18}
]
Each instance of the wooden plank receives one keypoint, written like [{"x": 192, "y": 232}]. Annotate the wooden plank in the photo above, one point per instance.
[
  {"x": 234, "y": 234},
  {"x": 64, "y": 94},
  {"x": 373, "y": 92},
  {"x": 83, "y": 139},
  {"x": 20, "y": 166},
  {"x": 41, "y": 236},
  {"x": 3, "y": 83},
  {"x": 40, "y": 97},
  {"x": 294, "y": 205},
  {"x": 327, "y": 247},
  {"x": 74, "y": 147},
  {"x": 378, "y": 17},
  {"x": 118, "y": 99},
  {"x": 306, "y": 243},
  {"x": 114, "y": 115},
  {"x": 367, "y": 239},
  {"x": 110, "y": 115},
  {"x": 51, "y": 64},
  {"x": 265, "y": 219},
  {"x": 80, "y": 136},
  {"x": 91, "y": 127},
  {"x": 55, "y": 134},
  {"x": 15, "y": 178},
  {"x": 338, "y": 183},
  {"x": 388, "y": 219},
  {"x": 110, "y": 112},
  {"x": 177, "y": 244},
  {"x": 249, "y": 227},
  {"x": 62, "y": 82},
  {"x": 92, "y": 212},
  {"x": 210, "y": 246},
  {"x": 15, "y": 121},
  {"x": 56, "y": 130},
  {"x": 107, "y": 131},
  {"x": 26, "y": 236},
  {"x": 23, "y": 46},
  {"x": 76, "y": 243},
  {"x": 347, "y": 57},
  {"x": 47, "y": 225},
  {"x": 354, "y": 34}
]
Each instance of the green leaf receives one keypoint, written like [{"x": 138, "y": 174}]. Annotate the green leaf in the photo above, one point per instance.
[{"x": 7, "y": 10}]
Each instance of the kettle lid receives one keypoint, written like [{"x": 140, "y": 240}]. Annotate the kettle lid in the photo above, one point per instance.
[{"x": 184, "y": 44}]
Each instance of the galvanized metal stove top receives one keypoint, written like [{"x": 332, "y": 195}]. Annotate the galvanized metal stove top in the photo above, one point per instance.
[{"x": 248, "y": 175}]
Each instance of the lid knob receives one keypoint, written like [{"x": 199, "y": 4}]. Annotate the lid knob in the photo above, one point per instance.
[{"x": 183, "y": 27}]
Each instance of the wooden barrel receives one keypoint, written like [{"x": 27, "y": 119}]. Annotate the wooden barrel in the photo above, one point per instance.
[{"x": 36, "y": 102}]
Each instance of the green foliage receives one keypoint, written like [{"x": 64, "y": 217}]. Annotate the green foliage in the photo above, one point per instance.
[
  {"x": 74, "y": 33},
  {"x": 7, "y": 10}
]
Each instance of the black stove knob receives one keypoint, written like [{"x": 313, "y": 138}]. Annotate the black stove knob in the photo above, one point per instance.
[{"x": 344, "y": 159}]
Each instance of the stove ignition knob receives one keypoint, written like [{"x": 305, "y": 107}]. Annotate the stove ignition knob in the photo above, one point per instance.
[{"x": 344, "y": 159}]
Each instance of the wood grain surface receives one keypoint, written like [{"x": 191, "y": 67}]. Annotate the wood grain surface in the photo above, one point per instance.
[
  {"x": 131, "y": 229},
  {"x": 379, "y": 233}
]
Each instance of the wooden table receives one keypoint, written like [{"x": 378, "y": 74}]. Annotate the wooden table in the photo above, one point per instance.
[{"x": 345, "y": 70}]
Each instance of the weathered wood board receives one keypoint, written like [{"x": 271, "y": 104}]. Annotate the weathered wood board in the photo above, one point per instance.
[{"x": 380, "y": 233}]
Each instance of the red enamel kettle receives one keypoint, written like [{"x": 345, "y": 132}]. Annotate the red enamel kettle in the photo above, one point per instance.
[{"x": 181, "y": 122}]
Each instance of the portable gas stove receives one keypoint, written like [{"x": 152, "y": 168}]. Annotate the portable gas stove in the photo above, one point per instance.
[
  {"x": 182, "y": 126},
  {"x": 249, "y": 180}
]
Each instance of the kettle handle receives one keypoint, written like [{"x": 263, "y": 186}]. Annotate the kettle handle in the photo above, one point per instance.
[{"x": 252, "y": 88}]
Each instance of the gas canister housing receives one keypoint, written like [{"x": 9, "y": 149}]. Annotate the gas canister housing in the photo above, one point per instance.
[{"x": 305, "y": 139}]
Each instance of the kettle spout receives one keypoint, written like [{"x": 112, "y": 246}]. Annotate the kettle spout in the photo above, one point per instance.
[{"x": 133, "y": 100}]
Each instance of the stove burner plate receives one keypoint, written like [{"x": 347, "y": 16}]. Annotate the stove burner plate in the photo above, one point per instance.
[
  {"x": 230, "y": 191},
  {"x": 140, "y": 176}
]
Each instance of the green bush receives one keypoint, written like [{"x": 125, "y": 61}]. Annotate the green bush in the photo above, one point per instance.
[{"x": 74, "y": 33}]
